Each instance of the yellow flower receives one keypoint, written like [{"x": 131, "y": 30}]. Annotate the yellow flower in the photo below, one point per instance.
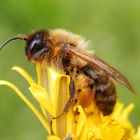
[{"x": 51, "y": 91}]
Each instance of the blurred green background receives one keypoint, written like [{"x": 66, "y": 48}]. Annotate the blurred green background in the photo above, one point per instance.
[{"x": 112, "y": 26}]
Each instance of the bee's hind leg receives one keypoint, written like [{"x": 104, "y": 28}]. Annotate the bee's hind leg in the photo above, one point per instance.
[
  {"x": 90, "y": 73},
  {"x": 72, "y": 91}
]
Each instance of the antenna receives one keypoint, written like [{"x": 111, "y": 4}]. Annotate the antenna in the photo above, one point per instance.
[{"x": 20, "y": 36}]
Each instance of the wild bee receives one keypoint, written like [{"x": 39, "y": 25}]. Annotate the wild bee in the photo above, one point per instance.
[{"x": 91, "y": 77}]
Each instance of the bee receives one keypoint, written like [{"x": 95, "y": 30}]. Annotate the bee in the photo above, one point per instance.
[{"x": 91, "y": 77}]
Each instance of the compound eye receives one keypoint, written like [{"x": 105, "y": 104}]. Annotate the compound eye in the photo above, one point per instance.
[{"x": 35, "y": 45}]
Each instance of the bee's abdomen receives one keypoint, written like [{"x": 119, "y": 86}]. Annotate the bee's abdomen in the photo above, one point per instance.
[{"x": 105, "y": 97}]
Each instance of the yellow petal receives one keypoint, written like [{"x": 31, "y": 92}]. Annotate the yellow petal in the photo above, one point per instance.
[
  {"x": 126, "y": 112},
  {"x": 47, "y": 76},
  {"x": 44, "y": 78},
  {"x": 22, "y": 72},
  {"x": 61, "y": 93},
  {"x": 137, "y": 135},
  {"x": 61, "y": 98},
  {"x": 53, "y": 138},
  {"x": 42, "y": 97},
  {"x": 117, "y": 111},
  {"x": 115, "y": 132},
  {"x": 81, "y": 122},
  {"x": 29, "y": 104},
  {"x": 38, "y": 70},
  {"x": 70, "y": 121}
]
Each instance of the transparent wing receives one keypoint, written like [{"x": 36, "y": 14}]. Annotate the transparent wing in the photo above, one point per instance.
[{"x": 99, "y": 64}]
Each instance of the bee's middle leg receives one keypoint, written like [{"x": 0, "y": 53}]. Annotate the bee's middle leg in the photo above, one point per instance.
[{"x": 72, "y": 91}]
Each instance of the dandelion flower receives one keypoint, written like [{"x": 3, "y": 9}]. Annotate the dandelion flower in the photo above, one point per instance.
[{"x": 51, "y": 91}]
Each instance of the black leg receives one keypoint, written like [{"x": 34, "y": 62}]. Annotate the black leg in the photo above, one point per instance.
[
  {"x": 72, "y": 91},
  {"x": 72, "y": 88},
  {"x": 52, "y": 133}
]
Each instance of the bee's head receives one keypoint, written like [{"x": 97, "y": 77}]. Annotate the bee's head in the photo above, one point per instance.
[{"x": 37, "y": 44}]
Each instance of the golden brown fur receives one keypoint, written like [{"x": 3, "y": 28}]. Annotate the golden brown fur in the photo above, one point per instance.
[{"x": 102, "y": 90}]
